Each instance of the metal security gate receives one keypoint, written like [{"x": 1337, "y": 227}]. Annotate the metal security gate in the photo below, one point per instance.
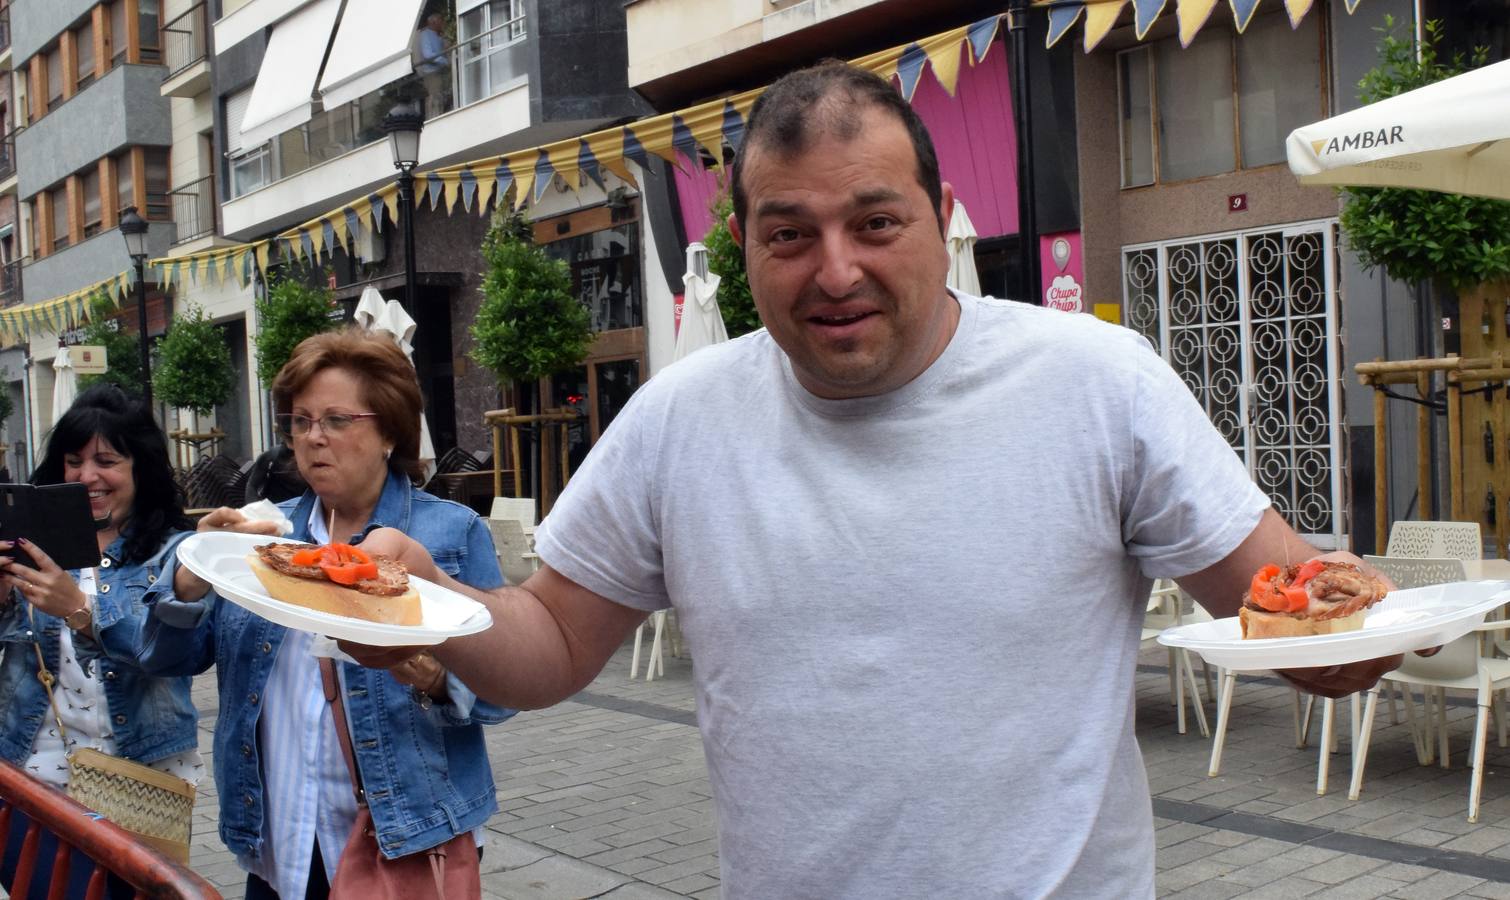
[{"x": 1249, "y": 321}]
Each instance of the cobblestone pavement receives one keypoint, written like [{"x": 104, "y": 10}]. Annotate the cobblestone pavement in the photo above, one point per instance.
[{"x": 607, "y": 796}]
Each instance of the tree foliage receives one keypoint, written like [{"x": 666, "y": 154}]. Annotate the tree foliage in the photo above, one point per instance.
[
  {"x": 7, "y": 405},
  {"x": 193, "y": 367},
  {"x": 529, "y": 325},
  {"x": 290, "y": 312},
  {"x": 1450, "y": 239},
  {"x": 123, "y": 355},
  {"x": 727, "y": 261}
]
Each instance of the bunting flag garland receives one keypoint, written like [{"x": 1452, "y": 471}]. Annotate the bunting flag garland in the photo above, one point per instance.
[
  {"x": 686, "y": 137},
  {"x": 1101, "y": 16},
  {"x": 71, "y": 310}
]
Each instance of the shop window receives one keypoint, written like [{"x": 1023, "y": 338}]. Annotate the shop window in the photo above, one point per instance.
[
  {"x": 1226, "y": 102},
  {"x": 605, "y": 270}
]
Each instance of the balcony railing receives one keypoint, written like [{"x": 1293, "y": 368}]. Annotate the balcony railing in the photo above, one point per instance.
[
  {"x": 184, "y": 40},
  {"x": 193, "y": 209},
  {"x": 7, "y": 156},
  {"x": 10, "y": 283}
]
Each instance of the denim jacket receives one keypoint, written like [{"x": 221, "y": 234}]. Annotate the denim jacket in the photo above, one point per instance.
[
  {"x": 424, "y": 769},
  {"x": 151, "y": 717}
]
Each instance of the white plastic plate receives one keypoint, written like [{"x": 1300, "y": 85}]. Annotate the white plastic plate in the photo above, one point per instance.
[
  {"x": 219, "y": 557},
  {"x": 1403, "y": 621}
]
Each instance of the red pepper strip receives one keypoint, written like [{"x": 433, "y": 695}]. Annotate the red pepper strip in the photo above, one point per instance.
[
  {"x": 1297, "y": 597},
  {"x": 1263, "y": 592},
  {"x": 1307, "y": 572},
  {"x": 307, "y": 557},
  {"x": 345, "y": 564}
]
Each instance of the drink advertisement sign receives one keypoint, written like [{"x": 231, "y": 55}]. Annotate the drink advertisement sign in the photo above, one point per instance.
[{"x": 1063, "y": 272}]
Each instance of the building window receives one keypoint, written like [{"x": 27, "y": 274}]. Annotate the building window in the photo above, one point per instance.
[
  {"x": 118, "y": 41},
  {"x": 487, "y": 37},
  {"x": 251, "y": 170},
  {"x": 83, "y": 53},
  {"x": 1226, "y": 102},
  {"x": 57, "y": 201},
  {"x": 54, "y": 78},
  {"x": 159, "y": 204},
  {"x": 89, "y": 183},
  {"x": 125, "y": 182},
  {"x": 149, "y": 21}
]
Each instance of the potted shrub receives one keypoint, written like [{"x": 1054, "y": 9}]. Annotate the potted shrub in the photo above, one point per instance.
[{"x": 289, "y": 312}]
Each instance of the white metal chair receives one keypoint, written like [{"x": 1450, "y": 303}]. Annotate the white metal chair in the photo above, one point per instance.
[
  {"x": 1435, "y": 540},
  {"x": 516, "y": 555},
  {"x": 1461, "y": 665},
  {"x": 521, "y": 509},
  {"x": 664, "y": 631},
  {"x": 1165, "y": 604}
]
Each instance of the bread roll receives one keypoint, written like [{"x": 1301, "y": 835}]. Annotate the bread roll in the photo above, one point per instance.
[
  {"x": 1257, "y": 624},
  {"x": 329, "y": 597}
]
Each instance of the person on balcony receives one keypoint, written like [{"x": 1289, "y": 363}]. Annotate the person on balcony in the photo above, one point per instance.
[{"x": 86, "y": 622}]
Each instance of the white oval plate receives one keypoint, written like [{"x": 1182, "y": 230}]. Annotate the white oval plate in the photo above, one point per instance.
[
  {"x": 219, "y": 557},
  {"x": 1403, "y": 621}
]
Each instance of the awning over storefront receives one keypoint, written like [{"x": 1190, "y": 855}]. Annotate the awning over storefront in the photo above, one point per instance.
[
  {"x": 1101, "y": 15},
  {"x": 283, "y": 95},
  {"x": 371, "y": 49},
  {"x": 240, "y": 24}
]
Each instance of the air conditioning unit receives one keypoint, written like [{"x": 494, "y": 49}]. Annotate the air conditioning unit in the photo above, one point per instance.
[{"x": 368, "y": 245}]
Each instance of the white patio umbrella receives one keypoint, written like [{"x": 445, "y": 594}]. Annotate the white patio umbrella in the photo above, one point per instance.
[
  {"x": 702, "y": 323},
  {"x": 961, "y": 239},
  {"x": 65, "y": 383},
  {"x": 1451, "y": 136},
  {"x": 388, "y": 316}
]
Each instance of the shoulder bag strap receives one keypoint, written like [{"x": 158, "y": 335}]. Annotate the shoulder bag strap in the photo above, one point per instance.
[
  {"x": 46, "y": 678},
  {"x": 338, "y": 711}
]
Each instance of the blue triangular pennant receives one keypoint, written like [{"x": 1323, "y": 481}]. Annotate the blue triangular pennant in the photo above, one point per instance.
[
  {"x": 468, "y": 183},
  {"x": 375, "y": 205},
  {"x": 504, "y": 176},
  {"x": 544, "y": 175},
  {"x": 308, "y": 246},
  {"x": 684, "y": 143},
  {"x": 353, "y": 222},
  {"x": 983, "y": 33},
  {"x": 588, "y": 164},
  {"x": 328, "y": 235},
  {"x": 1145, "y": 13},
  {"x": 635, "y": 150},
  {"x": 910, "y": 69},
  {"x": 1242, "y": 12},
  {"x": 434, "y": 188},
  {"x": 734, "y": 125}
]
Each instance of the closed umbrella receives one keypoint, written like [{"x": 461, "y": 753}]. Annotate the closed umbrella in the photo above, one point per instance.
[
  {"x": 961, "y": 239},
  {"x": 65, "y": 383},
  {"x": 702, "y": 323},
  {"x": 1451, "y": 136},
  {"x": 388, "y": 317}
]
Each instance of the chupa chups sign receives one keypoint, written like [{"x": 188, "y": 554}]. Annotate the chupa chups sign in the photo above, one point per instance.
[{"x": 1065, "y": 294}]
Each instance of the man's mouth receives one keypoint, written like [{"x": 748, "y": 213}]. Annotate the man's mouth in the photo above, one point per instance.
[{"x": 839, "y": 321}]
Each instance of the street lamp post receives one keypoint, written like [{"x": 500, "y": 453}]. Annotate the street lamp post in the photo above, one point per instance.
[
  {"x": 134, "y": 230},
  {"x": 403, "y": 123}
]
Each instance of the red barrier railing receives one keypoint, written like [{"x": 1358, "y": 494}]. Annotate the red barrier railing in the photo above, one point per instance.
[{"x": 112, "y": 850}]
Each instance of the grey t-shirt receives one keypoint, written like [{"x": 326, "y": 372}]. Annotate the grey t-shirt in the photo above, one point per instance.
[{"x": 914, "y": 618}]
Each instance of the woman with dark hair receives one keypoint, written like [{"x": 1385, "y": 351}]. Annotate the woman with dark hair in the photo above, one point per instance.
[
  {"x": 349, "y": 407},
  {"x": 87, "y": 622}
]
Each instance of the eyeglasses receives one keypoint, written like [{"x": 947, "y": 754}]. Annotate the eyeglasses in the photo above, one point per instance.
[{"x": 295, "y": 425}]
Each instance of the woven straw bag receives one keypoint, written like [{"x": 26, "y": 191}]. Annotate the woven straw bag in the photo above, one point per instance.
[{"x": 156, "y": 807}]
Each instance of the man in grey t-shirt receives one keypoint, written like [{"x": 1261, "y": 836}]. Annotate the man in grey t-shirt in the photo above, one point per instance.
[{"x": 909, "y": 534}]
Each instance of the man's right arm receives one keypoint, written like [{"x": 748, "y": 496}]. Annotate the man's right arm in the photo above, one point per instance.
[{"x": 550, "y": 636}]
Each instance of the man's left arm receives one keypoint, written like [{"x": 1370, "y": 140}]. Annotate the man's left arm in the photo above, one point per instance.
[{"x": 1219, "y": 588}]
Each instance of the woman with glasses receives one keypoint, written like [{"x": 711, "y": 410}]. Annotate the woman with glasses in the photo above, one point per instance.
[{"x": 348, "y": 404}]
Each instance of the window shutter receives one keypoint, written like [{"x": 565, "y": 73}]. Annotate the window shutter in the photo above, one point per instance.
[{"x": 235, "y": 111}]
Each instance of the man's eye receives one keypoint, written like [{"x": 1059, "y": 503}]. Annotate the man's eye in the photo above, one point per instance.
[
  {"x": 878, "y": 223},
  {"x": 785, "y": 235}
]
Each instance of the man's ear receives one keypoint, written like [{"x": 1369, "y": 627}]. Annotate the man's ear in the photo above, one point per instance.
[
  {"x": 734, "y": 231},
  {"x": 946, "y": 205}
]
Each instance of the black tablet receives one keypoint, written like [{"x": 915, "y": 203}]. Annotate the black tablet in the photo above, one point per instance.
[{"x": 55, "y": 517}]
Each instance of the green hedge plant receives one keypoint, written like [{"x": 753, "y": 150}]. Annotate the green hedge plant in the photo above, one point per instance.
[
  {"x": 727, "y": 261},
  {"x": 288, "y": 313},
  {"x": 123, "y": 354},
  {"x": 193, "y": 367}
]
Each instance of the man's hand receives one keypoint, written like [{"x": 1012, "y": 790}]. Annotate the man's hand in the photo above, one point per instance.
[
  {"x": 1337, "y": 682},
  {"x": 394, "y": 544},
  {"x": 379, "y": 657}
]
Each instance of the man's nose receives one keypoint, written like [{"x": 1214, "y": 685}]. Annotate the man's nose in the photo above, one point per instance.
[{"x": 839, "y": 271}]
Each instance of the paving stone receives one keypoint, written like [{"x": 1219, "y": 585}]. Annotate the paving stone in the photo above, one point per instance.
[
  {"x": 638, "y": 891},
  {"x": 1364, "y": 887},
  {"x": 552, "y": 878},
  {"x": 1437, "y": 886},
  {"x": 1285, "y": 889},
  {"x": 1190, "y": 874}
]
